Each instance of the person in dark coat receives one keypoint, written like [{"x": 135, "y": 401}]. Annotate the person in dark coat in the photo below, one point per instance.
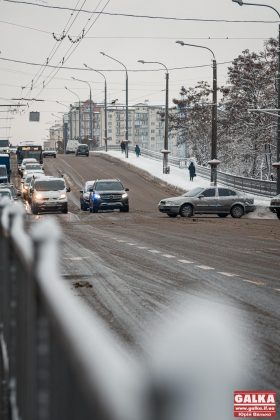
[
  {"x": 122, "y": 146},
  {"x": 137, "y": 150},
  {"x": 191, "y": 169}
]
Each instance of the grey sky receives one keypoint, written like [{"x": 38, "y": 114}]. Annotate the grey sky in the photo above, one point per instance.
[{"x": 126, "y": 39}]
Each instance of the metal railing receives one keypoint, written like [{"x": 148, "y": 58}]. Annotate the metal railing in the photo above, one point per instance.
[
  {"x": 251, "y": 185},
  {"x": 58, "y": 361}
]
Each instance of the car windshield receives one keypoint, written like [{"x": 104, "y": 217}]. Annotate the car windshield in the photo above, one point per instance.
[
  {"x": 89, "y": 187},
  {"x": 30, "y": 166},
  {"x": 27, "y": 161},
  {"x": 50, "y": 185},
  {"x": 194, "y": 192},
  {"x": 108, "y": 186}
]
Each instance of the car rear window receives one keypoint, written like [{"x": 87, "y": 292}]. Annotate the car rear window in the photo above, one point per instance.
[
  {"x": 50, "y": 185},
  {"x": 108, "y": 186}
]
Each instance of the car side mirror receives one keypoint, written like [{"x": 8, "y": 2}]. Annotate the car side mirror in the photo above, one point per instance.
[
  {"x": 126, "y": 189},
  {"x": 68, "y": 189},
  {"x": 201, "y": 196}
]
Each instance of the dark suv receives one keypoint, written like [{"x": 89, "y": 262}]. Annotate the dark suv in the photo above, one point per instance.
[
  {"x": 108, "y": 194},
  {"x": 82, "y": 150}
]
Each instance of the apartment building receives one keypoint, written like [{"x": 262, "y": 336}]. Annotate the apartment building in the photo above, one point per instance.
[{"x": 145, "y": 125}]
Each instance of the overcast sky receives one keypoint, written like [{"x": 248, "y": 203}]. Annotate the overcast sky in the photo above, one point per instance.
[{"x": 27, "y": 36}]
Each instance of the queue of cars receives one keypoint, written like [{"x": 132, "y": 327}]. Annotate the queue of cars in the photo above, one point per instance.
[{"x": 45, "y": 193}]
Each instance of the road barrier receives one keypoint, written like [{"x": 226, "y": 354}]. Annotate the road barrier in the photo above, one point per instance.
[
  {"x": 251, "y": 185},
  {"x": 59, "y": 360}
]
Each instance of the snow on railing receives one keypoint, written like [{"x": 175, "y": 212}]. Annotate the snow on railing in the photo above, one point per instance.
[
  {"x": 252, "y": 185},
  {"x": 59, "y": 361}
]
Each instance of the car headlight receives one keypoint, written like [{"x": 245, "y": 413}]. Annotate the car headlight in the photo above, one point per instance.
[
  {"x": 86, "y": 196},
  {"x": 171, "y": 203},
  {"x": 96, "y": 196},
  {"x": 62, "y": 196},
  {"x": 38, "y": 196},
  {"x": 124, "y": 195}
]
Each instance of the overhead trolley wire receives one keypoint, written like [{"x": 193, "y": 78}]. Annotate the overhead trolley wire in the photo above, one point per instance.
[{"x": 130, "y": 15}]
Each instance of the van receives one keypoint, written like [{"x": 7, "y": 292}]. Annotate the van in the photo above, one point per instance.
[
  {"x": 48, "y": 193},
  {"x": 72, "y": 146},
  {"x": 82, "y": 150}
]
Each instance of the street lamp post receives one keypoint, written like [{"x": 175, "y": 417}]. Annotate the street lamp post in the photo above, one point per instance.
[
  {"x": 126, "y": 101},
  {"x": 79, "y": 111},
  {"x": 90, "y": 106},
  {"x": 276, "y": 165},
  {"x": 214, "y": 162},
  {"x": 165, "y": 150},
  {"x": 66, "y": 127},
  {"x": 105, "y": 103}
]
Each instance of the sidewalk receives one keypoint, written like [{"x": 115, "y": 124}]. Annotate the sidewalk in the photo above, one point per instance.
[{"x": 179, "y": 177}]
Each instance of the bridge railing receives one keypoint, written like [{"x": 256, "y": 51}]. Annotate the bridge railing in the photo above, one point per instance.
[
  {"x": 251, "y": 185},
  {"x": 58, "y": 361}
]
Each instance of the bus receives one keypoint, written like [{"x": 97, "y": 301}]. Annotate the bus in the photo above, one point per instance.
[{"x": 29, "y": 151}]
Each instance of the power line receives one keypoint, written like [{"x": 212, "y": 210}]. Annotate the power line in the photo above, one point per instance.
[
  {"x": 111, "y": 70},
  {"x": 144, "y": 16},
  {"x": 145, "y": 37}
]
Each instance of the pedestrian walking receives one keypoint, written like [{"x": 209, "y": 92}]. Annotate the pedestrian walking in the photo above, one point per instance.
[
  {"x": 191, "y": 169},
  {"x": 122, "y": 146},
  {"x": 137, "y": 150}
]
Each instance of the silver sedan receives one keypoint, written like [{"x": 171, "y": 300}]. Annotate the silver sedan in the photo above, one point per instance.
[{"x": 213, "y": 200}]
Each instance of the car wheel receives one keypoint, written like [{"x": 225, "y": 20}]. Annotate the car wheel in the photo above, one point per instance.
[
  {"x": 65, "y": 209},
  {"x": 34, "y": 209},
  {"x": 278, "y": 213},
  {"x": 83, "y": 207},
  {"x": 222, "y": 214},
  {"x": 186, "y": 210},
  {"x": 237, "y": 211},
  {"x": 172, "y": 214}
]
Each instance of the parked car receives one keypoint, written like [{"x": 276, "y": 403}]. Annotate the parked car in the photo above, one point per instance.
[
  {"x": 49, "y": 153},
  {"x": 108, "y": 194},
  {"x": 82, "y": 150},
  {"x": 275, "y": 205},
  {"x": 213, "y": 200},
  {"x": 48, "y": 193},
  {"x": 85, "y": 193}
]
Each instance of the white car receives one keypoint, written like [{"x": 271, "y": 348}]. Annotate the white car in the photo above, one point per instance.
[
  {"x": 24, "y": 162},
  {"x": 48, "y": 193},
  {"x": 32, "y": 168}
]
